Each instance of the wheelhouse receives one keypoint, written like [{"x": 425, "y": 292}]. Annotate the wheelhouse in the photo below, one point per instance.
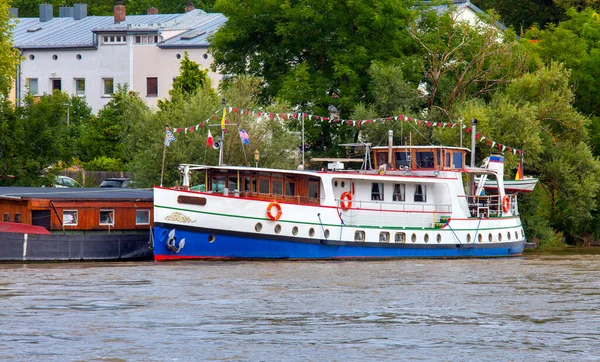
[{"x": 420, "y": 157}]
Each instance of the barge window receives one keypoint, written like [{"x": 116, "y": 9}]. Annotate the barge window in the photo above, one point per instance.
[
  {"x": 400, "y": 238},
  {"x": 70, "y": 217},
  {"x": 265, "y": 186},
  {"x": 359, "y": 235},
  {"x": 420, "y": 193},
  {"x": 377, "y": 191},
  {"x": 313, "y": 188},
  {"x": 399, "y": 192},
  {"x": 381, "y": 158},
  {"x": 290, "y": 188},
  {"x": 218, "y": 183},
  {"x": 457, "y": 160},
  {"x": 384, "y": 237},
  {"x": 277, "y": 185},
  {"x": 402, "y": 159},
  {"x": 107, "y": 217},
  {"x": 233, "y": 183},
  {"x": 424, "y": 159},
  {"x": 448, "y": 154},
  {"x": 142, "y": 217}
]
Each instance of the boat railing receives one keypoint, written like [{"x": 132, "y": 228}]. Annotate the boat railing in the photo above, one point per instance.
[
  {"x": 489, "y": 205},
  {"x": 395, "y": 214}
]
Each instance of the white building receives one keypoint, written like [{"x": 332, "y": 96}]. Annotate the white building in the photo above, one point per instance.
[{"x": 89, "y": 55}]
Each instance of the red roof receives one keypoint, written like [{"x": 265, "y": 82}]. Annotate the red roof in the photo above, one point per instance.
[{"x": 13, "y": 227}]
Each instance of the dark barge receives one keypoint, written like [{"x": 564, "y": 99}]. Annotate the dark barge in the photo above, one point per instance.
[{"x": 48, "y": 224}]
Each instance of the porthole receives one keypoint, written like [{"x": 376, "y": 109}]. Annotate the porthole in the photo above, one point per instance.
[
  {"x": 400, "y": 238},
  {"x": 335, "y": 184},
  {"x": 359, "y": 235},
  {"x": 205, "y": 56},
  {"x": 78, "y": 56},
  {"x": 311, "y": 232},
  {"x": 438, "y": 238},
  {"x": 508, "y": 235},
  {"x": 499, "y": 236},
  {"x": 326, "y": 233},
  {"x": 490, "y": 237},
  {"x": 469, "y": 238},
  {"x": 413, "y": 238},
  {"x": 55, "y": 57},
  {"x": 522, "y": 233},
  {"x": 211, "y": 238},
  {"x": 177, "y": 56},
  {"x": 480, "y": 238},
  {"x": 31, "y": 57},
  {"x": 426, "y": 238},
  {"x": 277, "y": 229},
  {"x": 343, "y": 184},
  {"x": 295, "y": 230},
  {"x": 258, "y": 227},
  {"x": 516, "y": 235},
  {"x": 384, "y": 237}
]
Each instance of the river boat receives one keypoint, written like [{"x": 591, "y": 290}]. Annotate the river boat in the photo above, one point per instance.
[
  {"x": 417, "y": 202},
  {"x": 62, "y": 224}
]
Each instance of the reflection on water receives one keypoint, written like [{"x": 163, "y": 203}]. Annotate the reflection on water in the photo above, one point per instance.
[{"x": 540, "y": 307}]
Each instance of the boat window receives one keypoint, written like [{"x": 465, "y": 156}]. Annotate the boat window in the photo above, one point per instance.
[
  {"x": 424, "y": 159},
  {"x": 6, "y": 217},
  {"x": 400, "y": 238},
  {"x": 290, "y": 188},
  {"x": 313, "y": 188},
  {"x": 107, "y": 217},
  {"x": 381, "y": 158},
  {"x": 420, "y": 193},
  {"x": 70, "y": 217},
  {"x": 402, "y": 159},
  {"x": 384, "y": 237},
  {"x": 457, "y": 160},
  {"x": 438, "y": 238},
  {"x": 426, "y": 238},
  {"x": 359, "y": 235},
  {"x": 218, "y": 183},
  {"x": 277, "y": 187},
  {"x": 377, "y": 191},
  {"x": 142, "y": 217},
  {"x": 265, "y": 186},
  {"x": 399, "y": 192},
  {"x": 295, "y": 230},
  {"x": 311, "y": 232},
  {"x": 233, "y": 183}
]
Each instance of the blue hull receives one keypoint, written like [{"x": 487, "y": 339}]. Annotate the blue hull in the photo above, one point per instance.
[{"x": 212, "y": 244}]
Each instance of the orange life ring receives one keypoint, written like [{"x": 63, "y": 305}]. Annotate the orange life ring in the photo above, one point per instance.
[
  {"x": 346, "y": 201},
  {"x": 505, "y": 203},
  {"x": 270, "y": 214}
]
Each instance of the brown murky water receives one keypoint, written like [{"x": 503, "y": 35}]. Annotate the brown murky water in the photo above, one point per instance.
[{"x": 531, "y": 308}]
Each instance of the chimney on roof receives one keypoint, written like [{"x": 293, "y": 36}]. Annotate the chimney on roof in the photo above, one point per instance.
[
  {"x": 79, "y": 11},
  {"x": 119, "y": 11},
  {"x": 65, "y": 12},
  {"x": 153, "y": 11},
  {"x": 189, "y": 7},
  {"x": 14, "y": 12},
  {"x": 45, "y": 12}
]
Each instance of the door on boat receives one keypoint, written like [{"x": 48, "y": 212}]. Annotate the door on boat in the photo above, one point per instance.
[
  {"x": 41, "y": 218},
  {"x": 342, "y": 189}
]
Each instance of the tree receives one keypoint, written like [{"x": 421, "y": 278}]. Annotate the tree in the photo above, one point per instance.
[
  {"x": 9, "y": 56},
  {"x": 29, "y": 8}
]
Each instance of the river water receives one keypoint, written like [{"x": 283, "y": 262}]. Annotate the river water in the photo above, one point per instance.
[{"x": 538, "y": 307}]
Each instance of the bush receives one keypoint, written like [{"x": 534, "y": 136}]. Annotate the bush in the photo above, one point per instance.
[{"x": 104, "y": 164}]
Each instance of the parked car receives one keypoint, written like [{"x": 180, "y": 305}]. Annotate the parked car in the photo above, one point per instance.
[
  {"x": 117, "y": 182},
  {"x": 64, "y": 181}
]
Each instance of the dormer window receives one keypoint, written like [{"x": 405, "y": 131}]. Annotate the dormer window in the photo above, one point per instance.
[
  {"x": 146, "y": 39},
  {"x": 114, "y": 39}
]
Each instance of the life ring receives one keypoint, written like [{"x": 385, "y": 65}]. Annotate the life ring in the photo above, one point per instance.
[
  {"x": 270, "y": 214},
  {"x": 505, "y": 203},
  {"x": 346, "y": 201}
]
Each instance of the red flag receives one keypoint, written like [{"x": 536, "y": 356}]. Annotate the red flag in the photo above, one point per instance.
[
  {"x": 209, "y": 140},
  {"x": 519, "y": 175}
]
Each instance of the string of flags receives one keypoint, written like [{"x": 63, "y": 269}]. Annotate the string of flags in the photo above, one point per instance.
[{"x": 336, "y": 121}]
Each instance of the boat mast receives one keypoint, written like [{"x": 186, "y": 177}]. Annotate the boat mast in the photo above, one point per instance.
[{"x": 222, "y": 144}]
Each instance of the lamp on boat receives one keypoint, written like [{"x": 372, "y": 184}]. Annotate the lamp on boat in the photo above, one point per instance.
[{"x": 256, "y": 157}]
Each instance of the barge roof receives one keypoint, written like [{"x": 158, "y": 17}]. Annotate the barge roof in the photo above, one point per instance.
[{"x": 83, "y": 194}]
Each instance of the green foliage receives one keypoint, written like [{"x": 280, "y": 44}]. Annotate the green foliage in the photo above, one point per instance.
[
  {"x": 29, "y": 8},
  {"x": 104, "y": 164},
  {"x": 190, "y": 79}
]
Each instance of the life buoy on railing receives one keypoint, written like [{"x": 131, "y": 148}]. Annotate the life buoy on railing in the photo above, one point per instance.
[
  {"x": 270, "y": 214},
  {"x": 505, "y": 203},
  {"x": 346, "y": 201}
]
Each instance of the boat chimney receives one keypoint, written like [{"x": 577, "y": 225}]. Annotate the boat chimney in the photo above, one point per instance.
[
  {"x": 473, "y": 135},
  {"x": 390, "y": 147}
]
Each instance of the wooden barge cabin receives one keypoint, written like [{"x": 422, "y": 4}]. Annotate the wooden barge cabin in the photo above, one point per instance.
[{"x": 83, "y": 224}]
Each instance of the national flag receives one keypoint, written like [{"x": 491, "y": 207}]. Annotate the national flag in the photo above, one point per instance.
[
  {"x": 244, "y": 137},
  {"x": 169, "y": 137},
  {"x": 209, "y": 140},
  {"x": 519, "y": 175},
  {"x": 223, "y": 119}
]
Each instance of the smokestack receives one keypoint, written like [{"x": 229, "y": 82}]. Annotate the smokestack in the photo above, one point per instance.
[
  {"x": 119, "y": 11},
  {"x": 153, "y": 11},
  {"x": 189, "y": 7}
]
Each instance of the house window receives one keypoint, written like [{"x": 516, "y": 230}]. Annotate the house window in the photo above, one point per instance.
[
  {"x": 151, "y": 86},
  {"x": 142, "y": 217},
  {"x": 377, "y": 191},
  {"x": 114, "y": 39},
  {"x": 107, "y": 217},
  {"x": 146, "y": 39},
  {"x": 107, "y": 86},
  {"x": 56, "y": 84},
  {"x": 420, "y": 193},
  {"x": 80, "y": 87},
  {"x": 70, "y": 217},
  {"x": 399, "y": 192},
  {"x": 32, "y": 84}
]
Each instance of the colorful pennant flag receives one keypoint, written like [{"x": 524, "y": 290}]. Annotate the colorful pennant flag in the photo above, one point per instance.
[
  {"x": 210, "y": 140},
  {"x": 244, "y": 137},
  {"x": 223, "y": 119},
  {"x": 169, "y": 137}
]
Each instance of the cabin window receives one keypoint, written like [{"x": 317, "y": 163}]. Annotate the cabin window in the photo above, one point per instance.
[
  {"x": 277, "y": 185},
  {"x": 420, "y": 193},
  {"x": 384, "y": 237},
  {"x": 377, "y": 191},
  {"x": 359, "y": 235},
  {"x": 142, "y": 217},
  {"x": 265, "y": 186},
  {"x": 19, "y": 220},
  {"x": 381, "y": 158},
  {"x": 402, "y": 159},
  {"x": 313, "y": 188},
  {"x": 399, "y": 192},
  {"x": 424, "y": 159},
  {"x": 107, "y": 217},
  {"x": 400, "y": 238},
  {"x": 448, "y": 155},
  {"x": 70, "y": 217},
  {"x": 290, "y": 188},
  {"x": 233, "y": 183},
  {"x": 249, "y": 186},
  {"x": 457, "y": 160},
  {"x": 6, "y": 217},
  {"x": 218, "y": 183}
]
